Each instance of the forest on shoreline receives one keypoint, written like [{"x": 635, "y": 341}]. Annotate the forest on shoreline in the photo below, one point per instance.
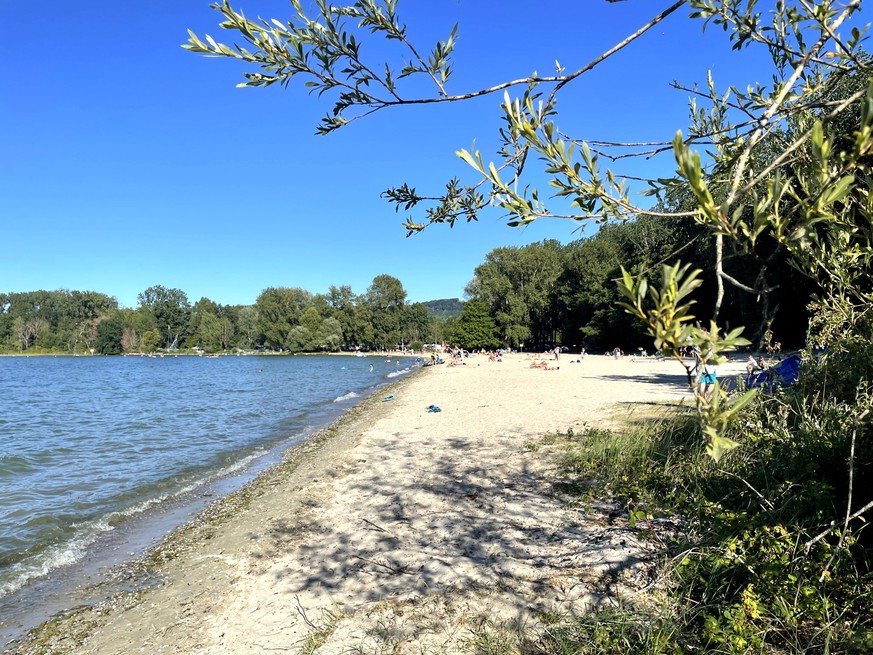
[{"x": 528, "y": 297}]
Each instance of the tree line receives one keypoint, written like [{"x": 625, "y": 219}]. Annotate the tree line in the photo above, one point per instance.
[
  {"x": 281, "y": 319},
  {"x": 528, "y": 297}
]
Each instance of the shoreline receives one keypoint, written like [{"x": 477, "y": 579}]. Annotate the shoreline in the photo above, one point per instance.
[
  {"x": 137, "y": 573},
  {"x": 391, "y": 515}
]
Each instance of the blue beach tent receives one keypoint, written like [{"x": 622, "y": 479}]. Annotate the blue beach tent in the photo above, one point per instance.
[{"x": 780, "y": 375}]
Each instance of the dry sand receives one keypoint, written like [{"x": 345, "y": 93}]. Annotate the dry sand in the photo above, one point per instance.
[{"x": 400, "y": 530}]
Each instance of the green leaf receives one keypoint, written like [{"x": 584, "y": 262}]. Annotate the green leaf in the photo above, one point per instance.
[{"x": 718, "y": 445}]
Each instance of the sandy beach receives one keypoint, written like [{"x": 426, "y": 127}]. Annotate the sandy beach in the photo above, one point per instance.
[{"x": 398, "y": 529}]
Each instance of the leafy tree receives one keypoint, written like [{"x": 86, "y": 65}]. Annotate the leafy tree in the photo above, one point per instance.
[
  {"x": 18, "y": 336},
  {"x": 299, "y": 338},
  {"x": 587, "y": 295},
  {"x": 443, "y": 329},
  {"x": 352, "y": 314},
  {"x": 136, "y": 323},
  {"x": 150, "y": 340},
  {"x": 170, "y": 310},
  {"x": 475, "y": 328},
  {"x": 247, "y": 326},
  {"x": 518, "y": 286},
  {"x": 227, "y": 332},
  {"x": 311, "y": 320},
  {"x": 415, "y": 322},
  {"x": 209, "y": 332},
  {"x": 341, "y": 301},
  {"x": 361, "y": 332},
  {"x": 330, "y": 335},
  {"x": 315, "y": 334},
  {"x": 195, "y": 337},
  {"x": 109, "y": 334},
  {"x": 385, "y": 299},
  {"x": 278, "y": 311}
]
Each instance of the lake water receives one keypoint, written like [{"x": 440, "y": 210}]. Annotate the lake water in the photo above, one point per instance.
[{"x": 106, "y": 454}]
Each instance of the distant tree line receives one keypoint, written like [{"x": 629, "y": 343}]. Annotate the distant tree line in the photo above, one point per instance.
[
  {"x": 281, "y": 319},
  {"x": 528, "y": 297}
]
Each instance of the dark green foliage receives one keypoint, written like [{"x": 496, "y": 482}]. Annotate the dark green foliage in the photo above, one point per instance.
[
  {"x": 518, "y": 287},
  {"x": 58, "y": 321},
  {"x": 475, "y": 328},
  {"x": 278, "y": 311},
  {"x": 109, "y": 333},
  {"x": 415, "y": 324},
  {"x": 170, "y": 310}
]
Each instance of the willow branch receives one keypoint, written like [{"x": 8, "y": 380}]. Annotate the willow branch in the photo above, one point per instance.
[
  {"x": 799, "y": 142},
  {"x": 746, "y": 288},
  {"x": 777, "y": 103}
]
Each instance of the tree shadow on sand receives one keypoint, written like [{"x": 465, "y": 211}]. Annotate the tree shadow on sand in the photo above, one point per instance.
[{"x": 449, "y": 524}]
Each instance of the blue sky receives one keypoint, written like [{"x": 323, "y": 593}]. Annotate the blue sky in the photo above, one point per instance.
[{"x": 127, "y": 161}]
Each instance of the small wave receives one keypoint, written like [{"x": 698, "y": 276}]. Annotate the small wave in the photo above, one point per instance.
[
  {"x": 37, "y": 566},
  {"x": 74, "y": 549},
  {"x": 14, "y": 464},
  {"x": 349, "y": 396},
  {"x": 399, "y": 372}
]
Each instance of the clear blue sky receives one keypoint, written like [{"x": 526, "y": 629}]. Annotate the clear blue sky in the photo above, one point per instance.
[{"x": 128, "y": 162}]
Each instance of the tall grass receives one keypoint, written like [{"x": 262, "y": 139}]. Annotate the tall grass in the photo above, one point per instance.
[{"x": 765, "y": 562}]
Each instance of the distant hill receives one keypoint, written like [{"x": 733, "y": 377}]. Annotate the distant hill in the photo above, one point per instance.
[{"x": 446, "y": 308}]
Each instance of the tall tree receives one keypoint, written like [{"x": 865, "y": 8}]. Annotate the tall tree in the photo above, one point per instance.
[
  {"x": 386, "y": 299},
  {"x": 279, "y": 310},
  {"x": 475, "y": 328},
  {"x": 587, "y": 295},
  {"x": 415, "y": 324},
  {"x": 208, "y": 333},
  {"x": 109, "y": 334},
  {"x": 247, "y": 325},
  {"x": 344, "y": 308},
  {"x": 329, "y": 336},
  {"x": 170, "y": 310},
  {"x": 518, "y": 286}
]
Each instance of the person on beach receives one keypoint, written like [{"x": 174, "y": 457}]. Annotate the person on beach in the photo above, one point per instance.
[
  {"x": 706, "y": 374},
  {"x": 753, "y": 366}
]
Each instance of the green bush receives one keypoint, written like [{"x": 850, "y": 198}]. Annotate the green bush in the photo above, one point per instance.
[{"x": 763, "y": 564}]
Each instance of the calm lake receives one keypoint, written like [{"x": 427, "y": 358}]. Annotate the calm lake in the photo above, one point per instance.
[{"x": 102, "y": 455}]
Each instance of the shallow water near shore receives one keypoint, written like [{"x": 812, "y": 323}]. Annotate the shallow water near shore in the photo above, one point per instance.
[{"x": 100, "y": 457}]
